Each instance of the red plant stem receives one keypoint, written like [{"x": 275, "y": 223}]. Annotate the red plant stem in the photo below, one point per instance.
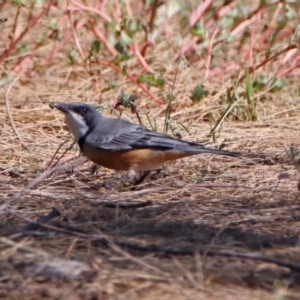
[
  {"x": 290, "y": 54},
  {"x": 98, "y": 12},
  {"x": 252, "y": 69},
  {"x": 134, "y": 80},
  {"x": 249, "y": 54},
  {"x": 104, "y": 40},
  {"x": 196, "y": 15},
  {"x": 128, "y": 10},
  {"x": 75, "y": 36},
  {"x": 2, "y": 3},
  {"x": 288, "y": 70},
  {"x": 117, "y": 12},
  {"x": 224, "y": 10},
  {"x": 249, "y": 17},
  {"x": 21, "y": 64},
  {"x": 209, "y": 52},
  {"x": 265, "y": 35},
  {"x": 229, "y": 67},
  {"x": 102, "y": 4},
  {"x": 145, "y": 46},
  {"x": 30, "y": 25},
  {"x": 243, "y": 25},
  {"x": 141, "y": 59},
  {"x": 64, "y": 41},
  {"x": 155, "y": 5}
]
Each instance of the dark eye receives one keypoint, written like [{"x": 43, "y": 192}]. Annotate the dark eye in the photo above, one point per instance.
[{"x": 83, "y": 111}]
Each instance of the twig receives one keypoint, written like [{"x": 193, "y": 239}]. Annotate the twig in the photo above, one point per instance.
[
  {"x": 75, "y": 36},
  {"x": 42, "y": 220},
  {"x": 289, "y": 69},
  {"x": 210, "y": 51},
  {"x": 96, "y": 11},
  {"x": 24, "y": 248},
  {"x": 226, "y": 253},
  {"x": 155, "y": 5},
  {"x": 10, "y": 172},
  {"x": 141, "y": 59},
  {"x": 37, "y": 224},
  {"x": 197, "y": 13},
  {"x": 101, "y": 36},
  {"x": 69, "y": 148},
  {"x": 10, "y": 116},
  {"x": 37, "y": 180},
  {"x": 127, "y": 206},
  {"x": 264, "y": 62}
]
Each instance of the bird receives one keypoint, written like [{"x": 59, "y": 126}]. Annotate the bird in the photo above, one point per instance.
[{"x": 123, "y": 145}]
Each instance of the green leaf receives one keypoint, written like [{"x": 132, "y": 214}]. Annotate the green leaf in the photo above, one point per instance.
[
  {"x": 268, "y": 52},
  {"x": 160, "y": 82},
  {"x": 5, "y": 79},
  {"x": 72, "y": 57},
  {"x": 121, "y": 57},
  {"x": 96, "y": 46},
  {"x": 290, "y": 12},
  {"x": 259, "y": 82},
  {"x": 199, "y": 93},
  {"x": 248, "y": 86},
  {"x": 3, "y": 20},
  {"x": 148, "y": 78},
  {"x": 19, "y": 2},
  {"x": 282, "y": 21},
  {"x": 126, "y": 38},
  {"x": 113, "y": 85},
  {"x": 277, "y": 84},
  {"x": 53, "y": 24},
  {"x": 124, "y": 22},
  {"x": 296, "y": 33},
  {"x": 199, "y": 30},
  {"x": 120, "y": 46},
  {"x": 22, "y": 47},
  {"x": 124, "y": 69}
]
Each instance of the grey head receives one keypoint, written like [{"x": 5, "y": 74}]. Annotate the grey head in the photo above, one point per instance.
[{"x": 80, "y": 117}]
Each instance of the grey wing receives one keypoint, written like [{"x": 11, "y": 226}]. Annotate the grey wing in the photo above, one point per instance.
[
  {"x": 116, "y": 135},
  {"x": 127, "y": 136}
]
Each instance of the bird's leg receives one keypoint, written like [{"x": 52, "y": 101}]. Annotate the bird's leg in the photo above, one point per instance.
[{"x": 141, "y": 178}]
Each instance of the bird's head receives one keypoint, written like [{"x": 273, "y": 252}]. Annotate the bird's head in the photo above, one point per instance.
[{"x": 80, "y": 117}]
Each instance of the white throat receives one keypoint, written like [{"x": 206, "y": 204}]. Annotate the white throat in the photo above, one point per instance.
[{"x": 76, "y": 125}]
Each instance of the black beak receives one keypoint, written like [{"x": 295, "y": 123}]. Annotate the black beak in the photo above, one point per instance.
[{"x": 63, "y": 107}]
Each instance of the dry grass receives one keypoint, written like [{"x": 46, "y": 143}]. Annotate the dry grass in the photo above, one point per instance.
[
  {"x": 203, "y": 202},
  {"x": 211, "y": 203}
]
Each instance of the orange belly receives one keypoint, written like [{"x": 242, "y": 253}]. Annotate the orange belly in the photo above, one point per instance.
[{"x": 137, "y": 160}]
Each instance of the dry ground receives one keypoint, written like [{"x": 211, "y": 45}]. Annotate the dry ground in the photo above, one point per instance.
[
  {"x": 100, "y": 247},
  {"x": 169, "y": 238}
]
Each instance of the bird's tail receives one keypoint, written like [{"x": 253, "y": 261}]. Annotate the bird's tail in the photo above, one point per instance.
[{"x": 215, "y": 151}]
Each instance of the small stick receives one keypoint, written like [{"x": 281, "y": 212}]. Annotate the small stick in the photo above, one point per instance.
[
  {"x": 226, "y": 253},
  {"x": 69, "y": 148},
  {"x": 42, "y": 220},
  {"x": 127, "y": 206},
  {"x": 10, "y": 172},
  {"x": 10, "y": 116},
  {"x": 210, "y": 51},
  {"x": 37, "y": 224}
]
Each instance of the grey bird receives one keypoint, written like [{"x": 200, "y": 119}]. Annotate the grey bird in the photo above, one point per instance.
[{"x": 122, "y": 145}]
